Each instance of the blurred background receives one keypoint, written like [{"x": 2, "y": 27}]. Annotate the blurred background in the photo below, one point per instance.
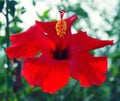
[{"x": 100, "y": 18}]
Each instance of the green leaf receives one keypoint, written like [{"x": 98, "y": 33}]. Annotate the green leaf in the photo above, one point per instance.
[
  {"x": 17, "y": 19},
  {"x": 23, "y": 10},
  {"x": 45, "y": 14},
  {"x": 40, "y": 17},
  {"x": 92, "y": 52},
  {"x": 15, "y": 29},
  {"x": 2, "y": 40},
  {"x": 11, "y": 5},
  {"x": 1, "y": 25},
  {"x": 1, "y": 5},
  {"x": 81, "y": 12},
  {"x": 33, "y": 2}
]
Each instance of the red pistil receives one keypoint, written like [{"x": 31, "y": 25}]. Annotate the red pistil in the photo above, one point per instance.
[{"x": 62, "y": 12}]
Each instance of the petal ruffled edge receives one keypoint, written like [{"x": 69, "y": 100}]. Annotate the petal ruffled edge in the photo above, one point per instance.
[
  {"x": 82, "y": 42},
  {"x": 29, "y": 43},
  {"x": 90, "y": 71},
  {"x": 50, "y": 75}
]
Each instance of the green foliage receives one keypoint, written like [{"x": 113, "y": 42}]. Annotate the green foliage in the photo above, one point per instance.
[
  {"x": 11, "y": 5},
  {"x": 2, "y": 41},
  {"x": 15, "y": 29},
  {"x": 0, "y": 25},
  {"x": 78, "y": 10},
  {"x": 33, "y": 2},
  {"x": 45, "y": 15},
  {"x": 1, "y": 5},
  {"x": 23, "y": 10}
]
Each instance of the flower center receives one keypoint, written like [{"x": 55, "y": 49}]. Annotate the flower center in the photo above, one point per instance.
[
  {"x": 61, "y": 25},
  {"x": 60, "y": 54}
]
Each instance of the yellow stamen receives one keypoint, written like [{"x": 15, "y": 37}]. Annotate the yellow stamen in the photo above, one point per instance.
[{"x": 61, "y": 27}]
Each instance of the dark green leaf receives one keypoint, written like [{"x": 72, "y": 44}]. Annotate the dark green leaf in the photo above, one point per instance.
[
  {"x": 81, "y": 12},
  {"x": 15, "y": 29},
  {"x": 16, "y": 20},
  {"x": 0, "y": 25},
  {"x": 2, "y": 40},
  {"x": 33, "y": 2},
  {"x": 11, "y": 5},
  {"x": 23, "y": 10},
  {"x": 1, "y": 5}
]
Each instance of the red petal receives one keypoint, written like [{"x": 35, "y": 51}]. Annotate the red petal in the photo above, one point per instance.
[
  {"x": 82, "y": 41},
  {"x": 49, "y": 74},
  {"x": 29, "y": 43},
  {"x": 49, "y": 27},
  {"x": 89, "y": 71},
  {"x": 70, "y": 21}
]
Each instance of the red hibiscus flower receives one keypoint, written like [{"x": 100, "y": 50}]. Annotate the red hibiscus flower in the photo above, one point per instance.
[{"x": 53, "y": 54}]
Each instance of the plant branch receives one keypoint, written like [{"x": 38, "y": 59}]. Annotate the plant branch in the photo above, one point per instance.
[
  {"x": 8, "y": 42},
  {"x": 70, "y": 91}
]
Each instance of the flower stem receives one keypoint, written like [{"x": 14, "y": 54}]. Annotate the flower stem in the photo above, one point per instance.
[
  {"x": 8, "y": 42},
  {"x": 68, "y": 92}
]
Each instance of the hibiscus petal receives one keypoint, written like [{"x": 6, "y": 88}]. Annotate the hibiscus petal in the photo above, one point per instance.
[
  {"x": 29, "y": 43},
  {"x": 81, "y": 41},
  {"x": 50, "y": 27},
  {"x": 70, "y": 21},
  {"x": 89, "y": 71},
  {"x": 49, "y": 74}
]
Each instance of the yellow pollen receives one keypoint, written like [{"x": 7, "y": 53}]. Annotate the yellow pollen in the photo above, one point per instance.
[{"x": 61, "y": 27}]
